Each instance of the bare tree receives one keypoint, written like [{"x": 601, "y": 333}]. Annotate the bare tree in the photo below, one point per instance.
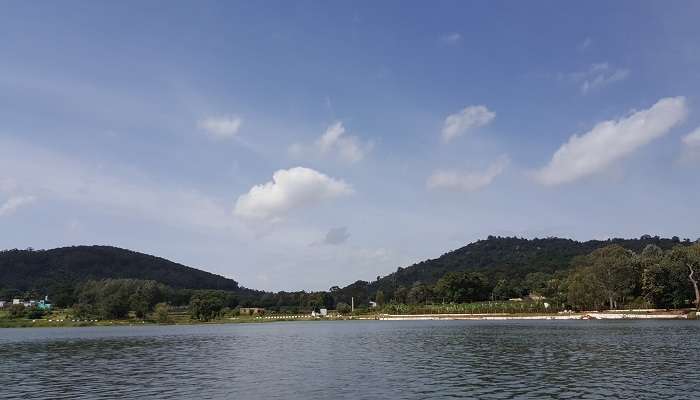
[{"x": 695, "y": 286}]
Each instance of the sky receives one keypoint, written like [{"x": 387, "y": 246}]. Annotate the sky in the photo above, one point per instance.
[{"x": 301, "y": 145}]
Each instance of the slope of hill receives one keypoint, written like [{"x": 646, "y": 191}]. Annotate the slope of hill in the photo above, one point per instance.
[
  {"x": 43, "y": 269},
  {"x": 508, "y": 258}
]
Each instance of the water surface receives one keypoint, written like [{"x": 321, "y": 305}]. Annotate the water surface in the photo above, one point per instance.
[{"x": 357, "y": 360}]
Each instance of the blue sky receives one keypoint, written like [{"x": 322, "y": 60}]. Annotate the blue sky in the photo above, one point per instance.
[{"x": 299, "y": 145}]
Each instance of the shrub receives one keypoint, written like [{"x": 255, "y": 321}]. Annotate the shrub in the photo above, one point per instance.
[
  {"x": 161, "y": 313},
  {"x": 17, "y": 311}
]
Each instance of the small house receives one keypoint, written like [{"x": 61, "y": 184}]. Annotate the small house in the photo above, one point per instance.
[
  {"x": 44, "y": 304},
  {"x": 252, "y": 311}
]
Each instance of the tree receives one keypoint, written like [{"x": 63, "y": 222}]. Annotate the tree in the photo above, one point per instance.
[
  {"x": 463, "y": 287},
  {"x": 343, "y": 308},
  {"x": 693, "y": 264},
  {"x": 400, "y": 295},
  {"x": 35, "y": 313},
  {"x": 161, "y": 313},
  {"x": 501, "y": 291},
  {"x": 83, "y": 311},
  {"x": 418, "y": 293},
  {"x": 668, "y": 282},
  {"x": 207, "y": 305},
  {"x": 584, "y": 293},
  {"x": 612, "y": 268},
  {"x": 536, "y": 282},
  {"x": 146, "y": 294},
  {"x": 17, "y": 311},
  {"x": 379, "y": 298}
]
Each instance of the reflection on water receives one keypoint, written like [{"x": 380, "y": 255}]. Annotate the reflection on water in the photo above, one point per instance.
[{"x": 358, "y": 360}]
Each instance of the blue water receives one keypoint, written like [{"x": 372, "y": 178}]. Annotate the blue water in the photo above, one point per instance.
[{"x": 357, "y": 360}]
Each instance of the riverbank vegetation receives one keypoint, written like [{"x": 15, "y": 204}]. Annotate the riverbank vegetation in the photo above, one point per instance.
[
  {"x": 611, "y": 277},
  {"x": 497, "y": 275}
]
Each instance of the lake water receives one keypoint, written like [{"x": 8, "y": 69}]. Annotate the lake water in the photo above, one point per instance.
[{"x": 357, "y": 360}]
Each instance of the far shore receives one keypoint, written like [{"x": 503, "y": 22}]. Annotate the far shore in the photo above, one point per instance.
[{"x": 589, "y": 315}]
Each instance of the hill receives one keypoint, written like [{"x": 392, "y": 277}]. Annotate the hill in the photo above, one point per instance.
[
  {"x": 42, "y": 270},
  {"x": 508, "y": 258}
]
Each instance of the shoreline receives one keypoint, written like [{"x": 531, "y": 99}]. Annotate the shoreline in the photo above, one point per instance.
[
  {"x": 583, "y": 316},
  {"x": 507, "y": 317}
]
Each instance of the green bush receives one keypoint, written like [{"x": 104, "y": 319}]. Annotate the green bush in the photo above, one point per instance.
[{"x": 17, "y": 311}]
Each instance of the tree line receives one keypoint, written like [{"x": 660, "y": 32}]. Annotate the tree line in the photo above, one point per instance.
[{"x": 610, "y": 277}]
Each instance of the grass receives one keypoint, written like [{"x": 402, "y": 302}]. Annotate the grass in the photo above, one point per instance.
[
  {"x": 487, "y": 307},
  {"x": 63, "y": 317}
]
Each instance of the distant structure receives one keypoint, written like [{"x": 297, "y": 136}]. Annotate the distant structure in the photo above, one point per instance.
[
  {"x": 252, "y": 311},
  {"x": 372, "y": 304},
  {"x": 40, "y": 304},
  {"x": 2, "y": 303},
  {"x": 323, "y": 312},
  {"x": 44, "y": 304}
]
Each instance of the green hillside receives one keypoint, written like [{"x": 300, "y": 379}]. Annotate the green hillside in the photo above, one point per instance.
[{"x": 42, "y": 270}]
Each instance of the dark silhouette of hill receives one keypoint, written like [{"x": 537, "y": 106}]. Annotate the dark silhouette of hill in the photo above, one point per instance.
[{"x": 45, "y": 269}]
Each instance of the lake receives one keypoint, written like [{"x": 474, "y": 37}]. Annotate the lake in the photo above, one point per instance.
[{"x": 357, "y": 360}]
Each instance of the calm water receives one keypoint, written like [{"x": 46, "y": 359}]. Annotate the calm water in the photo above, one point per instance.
[{"x": 357, "y": 360}]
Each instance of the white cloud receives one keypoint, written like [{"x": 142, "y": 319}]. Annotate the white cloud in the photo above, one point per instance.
[
  {"x": 692, "y": 139},
  {"x": 467, "y": 181},
  {"x": 13, "y": 203},
  {"x": 452, "y": 38},
  {"x": 469, "y": 118},
  {"x": 289, "y": 189},
  {"x": 335, "y": 142},
  {"x": 598, "y": 76},
  {"x": 610, "y": 141},
  {"x": 221, "y": 127},
  {"x": 691, "y": 146}
]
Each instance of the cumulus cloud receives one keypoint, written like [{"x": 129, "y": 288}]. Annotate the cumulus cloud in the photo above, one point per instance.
[
  {"x": 469, "y": 118},
  {"x": 691, "y": 146},
  {"x": 610, "y": 141},
  {"x": 468, "y": 181},
  {"x": 221, "y": 127},
  {"x": 598, "y": 76},
  {"x": 334, "y": 141},
  {"x": 13, "y": 203},
  {"x": 289, "y": 189},
  {"x": 452, "y": 38},
  {"x": 692, "y": 139}
]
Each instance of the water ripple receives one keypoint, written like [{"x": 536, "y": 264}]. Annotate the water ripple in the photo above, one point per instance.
[{"x": 358, "y": 360}]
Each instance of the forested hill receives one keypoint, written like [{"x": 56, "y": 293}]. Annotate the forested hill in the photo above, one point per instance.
[
  {"x": 43, "y": 269},
  {"x": 508, "y": 258}
]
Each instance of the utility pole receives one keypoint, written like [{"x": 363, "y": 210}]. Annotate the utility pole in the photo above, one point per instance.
[{"x": 352, "y": 304}]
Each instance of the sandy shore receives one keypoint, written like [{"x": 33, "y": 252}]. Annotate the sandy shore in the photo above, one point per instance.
[{"x": 501, "y": 317}]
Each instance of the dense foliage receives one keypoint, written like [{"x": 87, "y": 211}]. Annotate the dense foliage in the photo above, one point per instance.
[
  {"x": 512, "y": 267},
  {"x": 57, "y": 271},
  {"x": 106, "y": 282}
]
